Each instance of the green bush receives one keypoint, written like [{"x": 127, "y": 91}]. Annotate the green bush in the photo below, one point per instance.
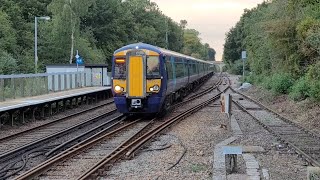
[
  {"x": 254, "y": 78},
  {"x": 237, "y": 67},
  {"x": 314, "y": 91},
  {"x": 300, "y": 90},
  {"x": 281, "y": 83},
  {"x": 267, "y": 82}
]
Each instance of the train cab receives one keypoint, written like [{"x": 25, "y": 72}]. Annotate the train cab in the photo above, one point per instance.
[{"x": 137, "y": 79}]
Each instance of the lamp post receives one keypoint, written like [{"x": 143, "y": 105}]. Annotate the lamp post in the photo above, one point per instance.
[{"x": 36, "y": 40}]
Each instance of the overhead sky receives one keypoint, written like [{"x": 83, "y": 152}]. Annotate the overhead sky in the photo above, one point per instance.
[{"x": 212, "y": 18}]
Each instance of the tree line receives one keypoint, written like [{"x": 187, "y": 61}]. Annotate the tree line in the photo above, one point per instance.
[
  {"x": 282, "y": 40},
  {"x": 94, "y": 27}
]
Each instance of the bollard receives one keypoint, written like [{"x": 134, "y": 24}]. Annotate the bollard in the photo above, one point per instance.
[
  {"x": 226, "y": 101},
  {"x": 222, "y": 102}
]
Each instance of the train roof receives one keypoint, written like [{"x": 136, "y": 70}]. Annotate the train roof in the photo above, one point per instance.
[{"x": 158, "y": 50}]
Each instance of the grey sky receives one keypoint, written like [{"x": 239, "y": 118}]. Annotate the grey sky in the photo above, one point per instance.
[{"x": 212, "y": 18}]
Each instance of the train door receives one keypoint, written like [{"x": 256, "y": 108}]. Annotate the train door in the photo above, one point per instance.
[
  {"x": 186, "y": 64},
  {"x": 136, "y": 74}
]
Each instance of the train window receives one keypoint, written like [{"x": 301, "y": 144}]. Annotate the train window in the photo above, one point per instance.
[
  {"x": 194, "y": 68},
  {"x": 186, "y": 67},
  {"x": 153, "y": 67},
  {"x": 179, "y": 70},
  {"x": 120, "y": 70},
  {"x": 190, "y": 69},
  {"x": 169, "y": 68}
]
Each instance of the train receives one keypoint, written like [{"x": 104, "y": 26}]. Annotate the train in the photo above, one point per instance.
[{"x": 147, "y": 79}]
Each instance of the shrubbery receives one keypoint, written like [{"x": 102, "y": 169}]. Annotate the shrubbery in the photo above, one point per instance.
[
  {"x": 300, "y": 90},
  {"x": 281, "y": 83},
  {"x": 307, "y": 86},
  {"x": 237, "y": 67}
]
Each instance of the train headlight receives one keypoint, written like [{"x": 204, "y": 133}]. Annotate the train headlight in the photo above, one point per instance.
[
  {"x": 118, "y": 89},
  {"x": 155, "y": 88}
]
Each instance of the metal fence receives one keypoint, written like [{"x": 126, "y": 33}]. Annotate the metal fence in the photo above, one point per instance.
[{"x": 26, "y": 85}]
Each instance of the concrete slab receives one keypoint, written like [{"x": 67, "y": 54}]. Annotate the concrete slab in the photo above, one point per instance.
[
  {"x": 219, "y": 165},
  {"x": 253, "y": 149},
  {"x": 265, "y": 174},
  {"x": 237, "y": 177},
  {"x": 235, "y": 127},
  {"x": 252, "y": 172},
  {"x": 252, "y": 165}
]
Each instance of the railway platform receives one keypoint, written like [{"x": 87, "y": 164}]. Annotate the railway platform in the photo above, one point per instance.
[{"x": 17, "y": 110}]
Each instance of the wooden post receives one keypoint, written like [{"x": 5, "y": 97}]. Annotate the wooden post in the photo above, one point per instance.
[
  {"x": 64, "y": 105},
  {"x": 81, "y": 100},
  {"x": 34, "y": 113},
  {"x": 87, "y": 100},
  {"x": 50, "y": 109},
  {"x": 71, "y": 103},
  {"x": 11, "y": 117},
  {"x": 77, "y": 101},
  {"x": 42, "y": 111},
  {"x": 24, "y": 113}
]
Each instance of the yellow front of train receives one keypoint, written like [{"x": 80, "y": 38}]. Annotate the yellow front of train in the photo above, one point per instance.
[{"x": 137, "y": 79}]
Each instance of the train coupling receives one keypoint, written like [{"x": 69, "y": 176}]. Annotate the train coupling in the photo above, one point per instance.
[{"x": 136, "y": 103}]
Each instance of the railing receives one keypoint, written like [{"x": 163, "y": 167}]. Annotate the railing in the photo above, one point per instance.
[{"x": 26, "y": 85}]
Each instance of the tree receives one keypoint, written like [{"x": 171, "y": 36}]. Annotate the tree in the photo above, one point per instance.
[
  {"x": 7, "y": 34},
  {"x": 67, "y": 16}
]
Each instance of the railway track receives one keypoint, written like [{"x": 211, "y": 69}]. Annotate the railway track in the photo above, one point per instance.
[
  {"x": 19, "y": 143},
  {"x": 46, "y": 150},
  {"x": 30, "y": 142},
  {"x": 203, "y": 92},
  {"x": 303, "y": 141},
  {"x": 96, "y": 146}
]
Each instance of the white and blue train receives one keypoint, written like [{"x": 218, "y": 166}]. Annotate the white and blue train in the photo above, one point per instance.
[{"x": 148, "y": 79}]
